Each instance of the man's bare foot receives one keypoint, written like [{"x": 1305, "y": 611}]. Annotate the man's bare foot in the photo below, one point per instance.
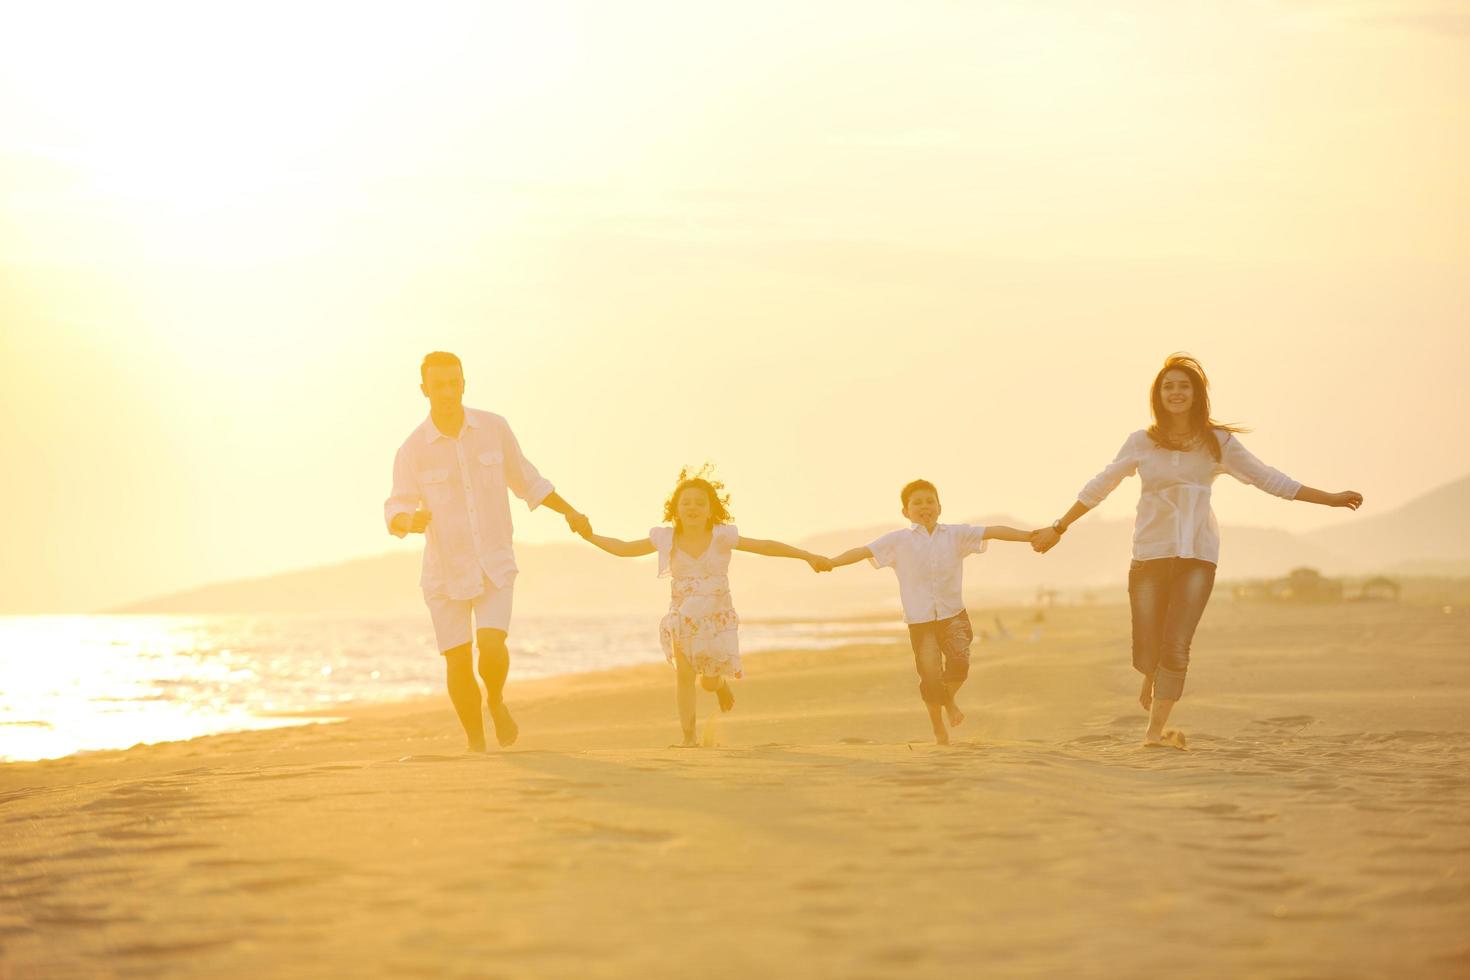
[
  {"x": 1146, "y": 693},
  {"x": 1169, "y": 740},
  {"x": 506, "y": 729},
  {"x": 725, "y": 696},
  {"x": 956, "y": 716}
]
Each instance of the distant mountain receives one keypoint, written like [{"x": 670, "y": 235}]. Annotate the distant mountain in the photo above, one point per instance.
[
  {"x": 1431, "y": 528},
  {"x": 1432, "y": 532}
]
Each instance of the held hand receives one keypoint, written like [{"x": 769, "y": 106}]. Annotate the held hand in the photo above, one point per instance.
[
  {"x": 1043, "y": 539},
  {"x": 1350, "y": 499},
  {"x": 579, "y": 523},
  {"x": 819, "y": 564},
  {"x": 419, "y": 522}
]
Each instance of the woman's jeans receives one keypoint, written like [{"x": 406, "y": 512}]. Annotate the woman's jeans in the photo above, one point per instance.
[{"x": 1168, "y": 597}]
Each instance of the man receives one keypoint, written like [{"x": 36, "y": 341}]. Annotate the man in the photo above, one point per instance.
[{"x": 450, "y": 479}]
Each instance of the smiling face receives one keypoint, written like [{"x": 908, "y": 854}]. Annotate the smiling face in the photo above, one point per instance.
[
  {"x": 693, "y": 508},
  {"x": 923, "y": 508},
  {"x": 1176, "y": 394}
]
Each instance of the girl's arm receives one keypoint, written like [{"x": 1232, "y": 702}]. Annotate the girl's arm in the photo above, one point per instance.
[
  {"x": 1350, "y": 499},
  {"x": 776, "y": 549},
  {"x": 619, "y": 547},
  {"x": 999, "y": 532},
  {"x": 851, "y": 557}
]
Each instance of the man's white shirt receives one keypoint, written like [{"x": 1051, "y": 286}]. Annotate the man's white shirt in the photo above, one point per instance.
[{"x": 463, "y": 481}]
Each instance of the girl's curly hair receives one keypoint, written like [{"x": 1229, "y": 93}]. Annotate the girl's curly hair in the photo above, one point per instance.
[{"x": 703, "y": 478}]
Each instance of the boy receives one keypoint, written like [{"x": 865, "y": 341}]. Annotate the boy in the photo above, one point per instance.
[{"x": 928, "y": 558}]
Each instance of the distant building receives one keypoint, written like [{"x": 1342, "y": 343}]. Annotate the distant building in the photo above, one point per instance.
[
  {"x": 1305, "y": 585},
  {"x": 1309, "y": 585},
  {"x": 1381, "y": 588}
]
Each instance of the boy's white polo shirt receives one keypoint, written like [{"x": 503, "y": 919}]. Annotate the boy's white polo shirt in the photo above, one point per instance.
[{"x": 930, "y": 567}]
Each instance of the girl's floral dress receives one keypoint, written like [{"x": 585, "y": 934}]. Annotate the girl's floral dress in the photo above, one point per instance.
[{"x": 701, "y": 625}]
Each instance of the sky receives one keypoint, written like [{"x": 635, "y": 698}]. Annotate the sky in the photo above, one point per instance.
[{"x": 829, "y": 247}]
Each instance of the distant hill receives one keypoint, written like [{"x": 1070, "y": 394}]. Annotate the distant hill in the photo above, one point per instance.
[
  {"x": 1432, "y": 532},
  {"x": 1432, "y": 528}
]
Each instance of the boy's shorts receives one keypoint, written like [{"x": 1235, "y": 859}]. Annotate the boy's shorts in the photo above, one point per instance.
[
  {"x": 952, "y": 636},
  {"x": 451, "y": 617}
]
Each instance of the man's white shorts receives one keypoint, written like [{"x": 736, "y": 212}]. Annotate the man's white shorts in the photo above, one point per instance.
[{"x": 490, "y": 609}]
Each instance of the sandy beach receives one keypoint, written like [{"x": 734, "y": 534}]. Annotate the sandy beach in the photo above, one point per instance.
[{"x": 1319, "y": 826}]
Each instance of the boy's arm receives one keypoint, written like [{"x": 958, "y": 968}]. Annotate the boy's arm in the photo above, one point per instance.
[
  {"x": 619, "y": 547},
  {"x": 852, "y": 556},
  {"x": 1000, "y": 532}
]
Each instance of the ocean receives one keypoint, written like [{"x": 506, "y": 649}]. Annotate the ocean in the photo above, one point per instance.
[{"x": 85, "y": 683}]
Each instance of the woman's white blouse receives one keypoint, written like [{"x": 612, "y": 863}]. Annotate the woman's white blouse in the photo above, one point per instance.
[{"x": 1175, "y": 519}]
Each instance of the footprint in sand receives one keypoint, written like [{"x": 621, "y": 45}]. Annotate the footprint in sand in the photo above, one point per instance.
[{"x": 182, "y": 948}]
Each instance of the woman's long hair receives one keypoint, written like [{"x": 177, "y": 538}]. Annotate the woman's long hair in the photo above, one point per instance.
[{"x": 1202, "y": 428}]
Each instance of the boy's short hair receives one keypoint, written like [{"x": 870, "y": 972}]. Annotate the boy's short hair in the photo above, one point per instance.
[
  {"x": 913, "y": 486},
  {"x": 438, "y": 358}
]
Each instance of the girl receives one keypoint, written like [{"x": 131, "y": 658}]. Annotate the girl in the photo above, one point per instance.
[
  {"x": 1176, "y": 540},
  {"x": 699, "y": 634}
]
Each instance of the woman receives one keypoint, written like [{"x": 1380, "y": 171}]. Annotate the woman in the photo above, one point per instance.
[{"x": 1176, "y": 540}]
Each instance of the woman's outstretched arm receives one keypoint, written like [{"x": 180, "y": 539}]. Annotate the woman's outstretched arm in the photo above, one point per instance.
[
  {"x": 1350, "y": 499},
  {"x": 1043, "y": 539}
]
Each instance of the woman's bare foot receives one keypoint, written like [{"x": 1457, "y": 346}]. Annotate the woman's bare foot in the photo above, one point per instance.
[
  {"x": 1146, "y": 693},
  {"x": 956, "y": 716},
  {"x": 1168, "y": 740},
  {"x": 725, "y": 696}
]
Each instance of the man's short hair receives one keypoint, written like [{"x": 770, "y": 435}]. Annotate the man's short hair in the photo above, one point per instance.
[
  {"x": 913, "y": 486},
  {"x": 438, "y": 358}
]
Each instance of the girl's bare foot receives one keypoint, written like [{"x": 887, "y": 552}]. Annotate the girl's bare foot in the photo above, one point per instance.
[
  {"x": 1168, "y": 740},
  {"x": 1146, "y": 693},
  {"x": 725, "y": 696}
]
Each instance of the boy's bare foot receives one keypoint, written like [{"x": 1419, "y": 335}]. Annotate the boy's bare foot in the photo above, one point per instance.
[
  {"x": 506, "y": 729},
  {"x": 1146, "y": 693},
  {"x": 476, "y": 746},
  {"x": 936, "y": 722},
  {"x": 1169, "y": 740},
  {"x": 725, "y": 696},
  {"x": 956, "y": 716}
]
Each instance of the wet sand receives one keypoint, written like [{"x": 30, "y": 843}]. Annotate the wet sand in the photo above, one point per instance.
[{"x": 1318, "y": 826}]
